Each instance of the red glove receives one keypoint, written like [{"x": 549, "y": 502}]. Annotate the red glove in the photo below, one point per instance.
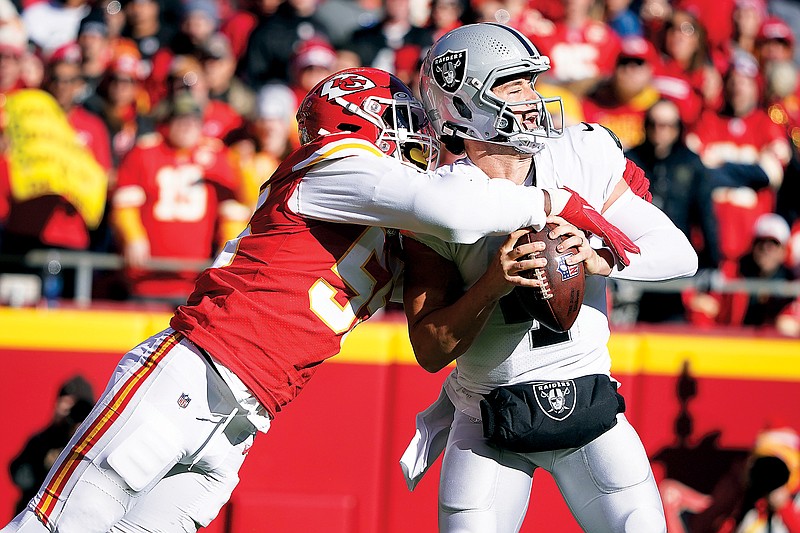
[
  {"x": 637, "y": 180},
  {"x": 580, "y": 214}
]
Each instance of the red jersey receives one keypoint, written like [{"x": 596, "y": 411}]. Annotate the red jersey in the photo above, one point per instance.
[
  {"x": 92, "y": 133},
  {"x": 679, "y": 87},
  {"x": 282, "y": 297},
  {"x": 178, "y": 193},
  {"x": 578, "y": 54},
  {"x": 626, "y": 120},
  {"x": 724, "y": 139}
]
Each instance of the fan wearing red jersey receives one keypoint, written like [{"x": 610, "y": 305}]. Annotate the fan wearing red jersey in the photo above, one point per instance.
[
  {"x": 169, "y": 187},
  {"x": 163, "y": 447}
]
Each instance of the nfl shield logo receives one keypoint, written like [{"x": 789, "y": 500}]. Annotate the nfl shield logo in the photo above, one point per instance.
[
  {"x": 184, "y": 400},
  {"x": 556, "y": 399},
  {"x": 449, "y": 70},
  {"x": 567, "y": 271}
]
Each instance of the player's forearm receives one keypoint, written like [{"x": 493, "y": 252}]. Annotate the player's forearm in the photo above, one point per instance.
[
  {"x": 443, "y": 335},
  {"x": 665, "y": 252},
  {"x": 446, "y": 333},
  {"x": 449, "y": 207}
]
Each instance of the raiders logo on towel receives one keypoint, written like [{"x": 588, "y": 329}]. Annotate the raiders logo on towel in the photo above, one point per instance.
[
  {"x": 556, "y": 399},
  {"x": 449, "y": 70}
]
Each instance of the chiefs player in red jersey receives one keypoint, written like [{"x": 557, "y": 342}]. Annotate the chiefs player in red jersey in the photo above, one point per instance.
[{"x": 162, "y": 448}]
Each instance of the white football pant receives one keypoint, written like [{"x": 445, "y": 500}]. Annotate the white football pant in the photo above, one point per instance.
[
  {"x": 607, "y": 484},
  {"x": 160, "y": 452}
]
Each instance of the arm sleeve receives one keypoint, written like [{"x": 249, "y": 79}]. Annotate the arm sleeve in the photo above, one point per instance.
[
  {"x": 666, "y": 253},
  {"x": 383, "y": 192},
  {"x": 127, "y": 221}
]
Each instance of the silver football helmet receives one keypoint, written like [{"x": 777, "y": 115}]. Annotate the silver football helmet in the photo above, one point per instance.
[{"x": 457, "y": 77}]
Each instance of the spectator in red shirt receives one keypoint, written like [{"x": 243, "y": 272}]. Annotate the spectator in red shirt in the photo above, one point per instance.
[
  {"x": 748, "y": 16},
  {"x": 746, "y": 153},
  {"x": 187, "y": 74},
  {"x": 583, "y": 51},
  {"x": 621, "y": 102},
  {"x": 716, "y": 17},
  {"x": 312, "y": 61},
  {"x": 774, "y": 41},
  {"x": 687, "y": 76},
  {"x": 123, "y": 103},
  {"x": 64, "y": 81},
  {"x": 52, "y": 201},
  {"x": 241, "y": 22},
  {"x": 171, "y": 187}
]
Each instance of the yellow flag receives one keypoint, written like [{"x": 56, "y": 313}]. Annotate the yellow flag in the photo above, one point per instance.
[{"x": 46, "y": 157}]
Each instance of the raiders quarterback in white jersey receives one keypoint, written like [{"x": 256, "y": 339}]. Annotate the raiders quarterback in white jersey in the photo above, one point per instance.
[{"x": 478, "y": 89}]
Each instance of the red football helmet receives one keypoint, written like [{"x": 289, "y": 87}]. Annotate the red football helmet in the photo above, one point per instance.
[{"x": 377, "y": 106}]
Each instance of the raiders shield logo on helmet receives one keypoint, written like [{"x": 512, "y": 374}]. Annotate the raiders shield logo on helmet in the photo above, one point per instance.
[
  {"x": 449, "y": 70},
  {"x": 556, "y": 399}
]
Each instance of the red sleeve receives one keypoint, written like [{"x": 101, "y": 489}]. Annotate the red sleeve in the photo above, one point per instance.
[{"x": 5, "y": 190}]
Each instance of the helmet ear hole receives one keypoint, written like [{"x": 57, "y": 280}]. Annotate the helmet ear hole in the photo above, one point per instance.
[
  {"x": 454, "y": 145},
  {"x": 348, "y": 127},
  {"x": 462, "y": 108}
]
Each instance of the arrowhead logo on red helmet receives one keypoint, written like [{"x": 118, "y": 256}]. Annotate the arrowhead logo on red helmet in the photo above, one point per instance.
[{"x": 345, "y": 83}]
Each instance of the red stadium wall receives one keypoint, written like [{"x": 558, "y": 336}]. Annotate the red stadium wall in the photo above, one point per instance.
[{"x": 330, "y": 462}]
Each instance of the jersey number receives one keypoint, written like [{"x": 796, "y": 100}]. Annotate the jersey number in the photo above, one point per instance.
[
  {"x": 513, "y": 313},
  {"x": 182, "y": 195},
  {"x": 352, "y": 270}
]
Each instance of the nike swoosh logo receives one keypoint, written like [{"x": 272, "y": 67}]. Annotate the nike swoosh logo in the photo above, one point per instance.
[{"x": 588, "y": 127}]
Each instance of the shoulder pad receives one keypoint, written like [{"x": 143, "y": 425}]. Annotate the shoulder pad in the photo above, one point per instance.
[
  {"x": 593, "y": 127},
  {"x": 613, "y": 136},
  {"x": 337, "y": 147}
]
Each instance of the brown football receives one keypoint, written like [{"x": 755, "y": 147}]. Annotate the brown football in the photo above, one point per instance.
[{"x": 557, "y": 303}]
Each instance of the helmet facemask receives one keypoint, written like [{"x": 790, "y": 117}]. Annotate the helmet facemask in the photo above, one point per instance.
[
  {"x": 521, "y": 124},
  {"x": 508, "y": 124},
  {"x": 405, "y": 133}
]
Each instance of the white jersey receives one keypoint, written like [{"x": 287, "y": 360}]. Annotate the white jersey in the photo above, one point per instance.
[{"x": 587, "y": 160}]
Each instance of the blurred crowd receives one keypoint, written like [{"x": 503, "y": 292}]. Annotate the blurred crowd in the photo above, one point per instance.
[{"x": 146, "y": 127}]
